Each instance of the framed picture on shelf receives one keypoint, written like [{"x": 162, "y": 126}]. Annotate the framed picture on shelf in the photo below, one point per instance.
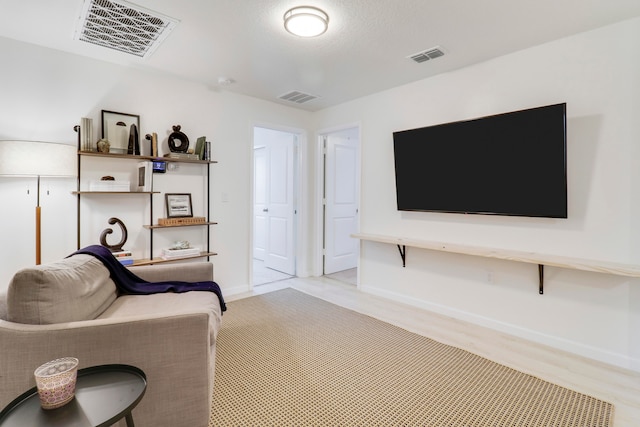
[
  {"x": 144, "y": 176},
  {"x": 178, "y": 205},
  {"x": 117, "y": 127}
]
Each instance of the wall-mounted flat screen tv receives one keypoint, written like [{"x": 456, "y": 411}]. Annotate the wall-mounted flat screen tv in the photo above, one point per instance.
[{"x": 506, "y": 164}]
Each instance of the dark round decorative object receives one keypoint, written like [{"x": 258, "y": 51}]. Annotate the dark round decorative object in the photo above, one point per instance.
[
  {"x": 181, "y": 137},
  {"x": 103, "y": 236}
]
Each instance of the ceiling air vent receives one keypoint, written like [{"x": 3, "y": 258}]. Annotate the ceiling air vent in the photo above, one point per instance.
[
  {"x": 297, "y": 97},
  {"x": 426, "y": 55},
  {"x": 123, "y": 26}
]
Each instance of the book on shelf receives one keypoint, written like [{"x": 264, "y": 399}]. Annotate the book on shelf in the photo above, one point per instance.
[
  {"x": 121, "y": 254},
  {"x": 124, "y": 257},
  {"x": 207, "y": 151},
  {"x": 126, "y": 260},
  {"x": 182, "y": 156},
  {"x": 178, "y": 253},
  {"x": 99, "y": 185},
  {"x": 200, "y": 147}
]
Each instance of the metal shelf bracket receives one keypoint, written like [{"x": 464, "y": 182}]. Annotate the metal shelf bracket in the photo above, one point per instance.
[{"x": 403, "y": 254}]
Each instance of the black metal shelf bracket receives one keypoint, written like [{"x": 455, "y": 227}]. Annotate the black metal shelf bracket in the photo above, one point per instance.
[
  {"x": 541, "y": 278},
  {"x": 403, "y": 254}
]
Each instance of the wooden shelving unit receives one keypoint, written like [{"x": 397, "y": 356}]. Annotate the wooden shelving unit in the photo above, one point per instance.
[{"x": 128, "y": 157}]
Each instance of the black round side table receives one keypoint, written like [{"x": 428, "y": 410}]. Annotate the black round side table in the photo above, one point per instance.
[{"x": 104, "y": 395}]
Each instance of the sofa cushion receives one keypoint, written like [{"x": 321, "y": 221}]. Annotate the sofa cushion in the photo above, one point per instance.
[
  {"x": 72, "y": 289},
  {"x": 168, "y": 304}
]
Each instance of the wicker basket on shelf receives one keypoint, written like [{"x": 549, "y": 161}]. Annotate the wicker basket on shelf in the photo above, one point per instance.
[{"x": 182, "y": 221}]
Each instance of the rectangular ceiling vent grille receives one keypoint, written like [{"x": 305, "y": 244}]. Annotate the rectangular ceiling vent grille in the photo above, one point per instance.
[
  {"x": 123, "y": 26},
  {"x": 297, "y": 97},
  {"x": 426, "y": 55}
]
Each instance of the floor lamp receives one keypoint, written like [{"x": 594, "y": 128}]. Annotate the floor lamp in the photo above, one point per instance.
[{"x": 37, "y": 159}]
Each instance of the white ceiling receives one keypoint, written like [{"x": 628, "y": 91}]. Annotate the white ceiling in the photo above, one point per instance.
[{"x": 364, "y": 50}]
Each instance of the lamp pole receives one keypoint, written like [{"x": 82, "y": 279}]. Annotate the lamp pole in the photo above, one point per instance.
[{"x": 38, "y": 240}]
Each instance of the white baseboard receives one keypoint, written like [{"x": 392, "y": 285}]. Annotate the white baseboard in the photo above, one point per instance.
[
  {"x": 572, "y": 347},
  {"x": 235, "y": 290}
]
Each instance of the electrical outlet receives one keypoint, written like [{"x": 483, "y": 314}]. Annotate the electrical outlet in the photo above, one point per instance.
[
  {"x": 490, "y": 276},
  {"x": 172, "y": 166}
]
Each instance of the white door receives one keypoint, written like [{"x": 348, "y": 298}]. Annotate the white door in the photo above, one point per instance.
[
  {"x": 274, "y": 204},
  {"x": 341, "y": 201},
  {"x": 259, "y": 202}
]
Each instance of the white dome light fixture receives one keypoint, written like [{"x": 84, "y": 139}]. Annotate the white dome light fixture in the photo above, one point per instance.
[{"x": 306, "y": 21}]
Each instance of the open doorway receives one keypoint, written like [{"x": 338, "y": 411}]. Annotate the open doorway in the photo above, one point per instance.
[
  {"x": 274, "y": 205},
  {"x": 341, "y": 194}
]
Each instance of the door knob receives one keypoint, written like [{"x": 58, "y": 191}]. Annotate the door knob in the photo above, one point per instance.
[{"x": 265, "y": 210}]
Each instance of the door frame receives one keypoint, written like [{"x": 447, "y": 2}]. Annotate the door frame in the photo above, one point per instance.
[
  {"x": 318, "y": 259},
  {"x": 300, "y": 181}
]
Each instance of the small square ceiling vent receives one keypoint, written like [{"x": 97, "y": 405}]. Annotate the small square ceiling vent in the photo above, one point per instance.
[
  {"x": 297, "y": 97},
  {"x": 123, "y": 26},
  {"x": 425, "y": 55}
]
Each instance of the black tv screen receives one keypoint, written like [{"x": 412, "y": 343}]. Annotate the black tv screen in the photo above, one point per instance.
[{"x": 506, "y": 164}]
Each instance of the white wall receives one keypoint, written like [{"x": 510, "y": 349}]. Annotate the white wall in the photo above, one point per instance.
[
  {"x": 46, "y": 92},
  {"x": 596, "y": 315}
]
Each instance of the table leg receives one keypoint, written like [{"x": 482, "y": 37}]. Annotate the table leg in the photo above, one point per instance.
[{"x": 129, "y": 419}]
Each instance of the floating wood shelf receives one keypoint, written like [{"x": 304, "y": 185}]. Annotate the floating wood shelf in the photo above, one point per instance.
[
  {"x": 162, "y": 260},
  {"x": 115, "y": 192},
  {"x": 150, "y": 227},
  {"x": 617, "y": 269},
  {"x": 134, "y": 157}
]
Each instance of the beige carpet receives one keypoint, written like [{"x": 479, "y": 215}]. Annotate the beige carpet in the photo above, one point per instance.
[{"x": 289, "y": 359}]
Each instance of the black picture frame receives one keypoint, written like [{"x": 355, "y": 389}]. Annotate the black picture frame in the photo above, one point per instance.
[
  {"x": 178, "y": 205},
  {"x": 116, "y": 128}
]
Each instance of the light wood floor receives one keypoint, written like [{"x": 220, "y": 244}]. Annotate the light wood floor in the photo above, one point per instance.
[{"x": 609, "y": 383}]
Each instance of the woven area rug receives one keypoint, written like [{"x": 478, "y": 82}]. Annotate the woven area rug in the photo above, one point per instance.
[{"x": 289, "y": 359}]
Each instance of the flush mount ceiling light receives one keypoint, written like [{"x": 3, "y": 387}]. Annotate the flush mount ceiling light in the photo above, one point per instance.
[{"x": 306, "y": 21}]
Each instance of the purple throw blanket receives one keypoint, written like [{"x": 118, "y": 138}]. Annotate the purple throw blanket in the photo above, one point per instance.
[{"x": 130, "y": 284}]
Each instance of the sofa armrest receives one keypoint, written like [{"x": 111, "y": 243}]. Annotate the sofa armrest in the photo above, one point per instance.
[
  {"x": 175, "y": 352},
  {"x": 3, "y": 306},
  {"x": 185, "y": 272}
]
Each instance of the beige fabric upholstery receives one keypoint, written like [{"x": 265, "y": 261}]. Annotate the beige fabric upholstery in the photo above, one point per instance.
[
  {"x": 171, "y": 337},
  {"x": 169, "y": 303},
  {"x": 193, "y": 272},
  {"x": 3, "y": 306},
  {"x": 76, "y": 288}
]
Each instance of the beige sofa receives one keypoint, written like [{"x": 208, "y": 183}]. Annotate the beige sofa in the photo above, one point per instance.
[{"x": 71, "y": 308}]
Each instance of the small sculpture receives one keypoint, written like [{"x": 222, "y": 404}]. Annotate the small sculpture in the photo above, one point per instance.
[
  {"x": 103, "y": 146},
  {"x": 181, "y": 244},
  {"x": 134, "y": 143},
  {"x": 177, "y": 135},
  {"x": 103, "y": 236},
  {"x": 153, "y": 137}
]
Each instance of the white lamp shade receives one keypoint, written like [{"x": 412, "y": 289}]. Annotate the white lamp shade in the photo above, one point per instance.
[
  {"x": 306, "y": 21},
  {"x": 37, "y": 158}
]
